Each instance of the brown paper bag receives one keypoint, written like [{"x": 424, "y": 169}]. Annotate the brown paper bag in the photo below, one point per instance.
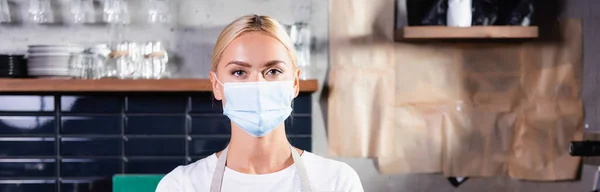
[
  {"x": 478, "y": 140},
  {"x": 478, "y": 131},
  {"x": 362, "y": 129},
  {"x": 361, "y": 79},
  {"x": 427, "y": 74},
  {"x": 417, "y": 142},
  {"x": 426, "y": 78},
  {"x": 552, "y": 114},
  {"x": 478, "y": 109},
  {"x": 544, "y": 131}
]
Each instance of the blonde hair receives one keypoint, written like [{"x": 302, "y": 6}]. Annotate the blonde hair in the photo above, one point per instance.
[{"x": 252, "y": 23}]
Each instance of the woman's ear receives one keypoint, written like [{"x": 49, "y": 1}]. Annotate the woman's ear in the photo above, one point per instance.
[
  {"x": 297, "y": 83},
  {"x": 216, "y": 86}
]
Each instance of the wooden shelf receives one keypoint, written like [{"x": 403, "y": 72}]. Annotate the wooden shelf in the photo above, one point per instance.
[
  {"x": 118, "y": 85},
  {"x": 475, "y": 32}
]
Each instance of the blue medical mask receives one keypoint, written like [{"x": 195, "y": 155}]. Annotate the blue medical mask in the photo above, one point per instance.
[{"x": 258, "y": 107}]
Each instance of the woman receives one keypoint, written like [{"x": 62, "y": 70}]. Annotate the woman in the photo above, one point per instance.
[{"x": 255, "y": 74}]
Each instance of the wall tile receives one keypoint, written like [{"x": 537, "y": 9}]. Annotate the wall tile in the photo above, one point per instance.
[
  {"x": 91, "y": 142},
  {"x": 27, "y": 125},
  {"x": 91, "y": 104},
  {"x": 27, "y": 146},
  {"x": 26, "y": 103},
  {"x": 205, "y": 103},
  {"x": 164, "y": 104},
  {"x": 155, "y": 125},
  {"x": 87, "y": 185},
  {"x": 26, "y": 186},
  {"x": 302, "y": 104},
  {"x": 153, "y": 166},
  {"x": 90, "y": 167},
  {"x": 210, "y": 124},
  {"x": 27, "y": 168},
  {"x": 301, "y": 143},
  {"x": 202, "y": 146},
  {"x": 91, "y": 125},
  {"x": 298, "y": 125},
  {"x": 88, "y": 146},
  {"x": 155, "y": 146}
]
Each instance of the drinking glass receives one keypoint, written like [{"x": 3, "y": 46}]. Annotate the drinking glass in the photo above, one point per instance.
[
  {"x": 40, "y": 11},
  {"x": 134, "y": 59},
  {"x": 155, "y": 61},
  {"x": 145, "y": 69},
  {"x": 159, "y": 11},
  {"x": 82, "y": 11},
  {"x": 4, "y": 12},
  {"x": 116, "y": 11},
  {"x": 301, "y": 37},
  {"x": 84, "y": 66},
  {"x": 121, "y": 60},
  {"x": 161, "y": 59},
  {"x": 116, "y": 14}
]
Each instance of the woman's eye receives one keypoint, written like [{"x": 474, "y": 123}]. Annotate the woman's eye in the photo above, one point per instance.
[
  {"x": 238, "y": 73},
  {"x": 274, "y": 72}
]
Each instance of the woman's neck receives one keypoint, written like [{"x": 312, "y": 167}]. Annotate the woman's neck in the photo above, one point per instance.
[{"x": 259, "y": 155}]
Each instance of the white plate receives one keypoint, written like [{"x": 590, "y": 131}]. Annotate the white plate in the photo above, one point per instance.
[
  {"x": 49, "y": 69},
  {"x": 49, "y": 54},
  {"x": 54, "y": 52},
  {"x": 49, "y": 72},
  {"x": 53, "y": 64},
  {"x": 48, "y": 59},
  {"x": 43, "y": 50},
  {"x": 49, "y": 62},
  {"x": 54, "y": 47},
  {"x": 46, "y": 46},
  {"x": 47, "y": 65},
  {"x": 50, "y": 76}
]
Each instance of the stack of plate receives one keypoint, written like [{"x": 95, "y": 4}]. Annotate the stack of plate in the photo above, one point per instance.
[
  {"x": 13, "y": 66},
  {"x": 50, "y": 60}
]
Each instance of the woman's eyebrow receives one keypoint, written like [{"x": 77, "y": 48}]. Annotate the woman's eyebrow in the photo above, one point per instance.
[
  {"x": 241, "y": 63},
  {"x": 273, "y": 62}
]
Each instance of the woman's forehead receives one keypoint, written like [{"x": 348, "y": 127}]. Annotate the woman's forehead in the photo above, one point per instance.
[{"x": 256, "y": 49}]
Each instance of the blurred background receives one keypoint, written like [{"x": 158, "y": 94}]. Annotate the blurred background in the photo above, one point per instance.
[{"x": 412, "y": 94}]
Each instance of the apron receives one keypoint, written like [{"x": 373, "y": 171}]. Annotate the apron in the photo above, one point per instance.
[{"x": 217, "y": 180}]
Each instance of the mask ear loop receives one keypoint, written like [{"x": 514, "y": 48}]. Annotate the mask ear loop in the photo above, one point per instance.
[
  {"x": 216, "y": 78},
  {"x": 219, "y": 82}
]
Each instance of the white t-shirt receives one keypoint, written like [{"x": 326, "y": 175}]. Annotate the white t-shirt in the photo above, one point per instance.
[{"x": 325, "y": 175}]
